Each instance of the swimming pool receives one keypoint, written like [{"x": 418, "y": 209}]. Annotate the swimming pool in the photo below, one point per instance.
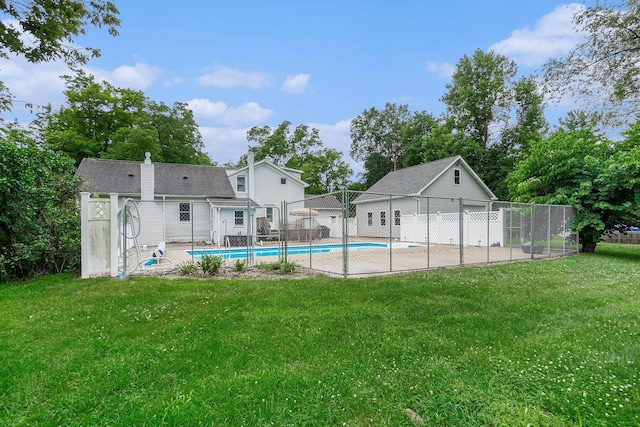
[{"x": 291, "y": 250}]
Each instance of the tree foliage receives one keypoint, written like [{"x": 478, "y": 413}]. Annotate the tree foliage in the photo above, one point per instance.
[
  {"x": 479, "y": 94},
  {"x": 44, "y": 30},
  {"x": 604, "y": 68},
  {"x": 380, "y": 131},
  {"x": 39, "y": 219},
  {"x": 482, "y": 101},
  {"x": 322, "y": 168},
  {"x": 598, "y": 177},
  {"x": 418, "y": 128},
  {"x": 283, "y": 147},
  {"x": 100, "y": 120}
]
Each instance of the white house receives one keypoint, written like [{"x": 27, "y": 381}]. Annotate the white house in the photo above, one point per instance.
[
  {"x": 379, "y": 210},
  {"x": 178, "y": 202},
  {"x": 268, "y": 185}
]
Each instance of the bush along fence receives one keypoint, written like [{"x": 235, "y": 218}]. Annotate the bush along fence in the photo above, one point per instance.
[{"x": 343, "y": 234}]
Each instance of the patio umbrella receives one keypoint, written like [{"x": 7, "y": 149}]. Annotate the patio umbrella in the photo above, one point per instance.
[{"x": 307, "y": 212}]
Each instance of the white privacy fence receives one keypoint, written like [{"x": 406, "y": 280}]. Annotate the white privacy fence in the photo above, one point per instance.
[{"x": 444, "y": 228}]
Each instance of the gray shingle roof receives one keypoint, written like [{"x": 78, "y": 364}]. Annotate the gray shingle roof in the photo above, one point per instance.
[
  {"x": 409, "y": 181},
  {"x": 171, "y": 179},
  {"x": 327, "y": 201}
]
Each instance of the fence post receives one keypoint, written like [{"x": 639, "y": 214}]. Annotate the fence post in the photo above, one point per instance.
[
  {"x": 114, "y": 231},
  {"x": 531, "y": 225},
  {"x": 428, "y": 236},
  {"x": 345, "y": 232},
  {"x": 489, "y": 207},
  {"x": 511, "y": 231},
  {"x": 84, "y": 235},
  {"x": 461, "y": 231},
  {"x": 549, "y": 231},
  {"x": 390, "y": 233},
  {"x": 285, "y": 217}
]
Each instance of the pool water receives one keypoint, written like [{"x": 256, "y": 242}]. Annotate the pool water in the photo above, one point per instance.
[{"x": 291, "y": 250}]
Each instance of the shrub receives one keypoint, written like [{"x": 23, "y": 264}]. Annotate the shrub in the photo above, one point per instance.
[
  {"x": 188, "y": 268},
  {"x": 282, "y": 266},
  {"x": 39, "y": 216},
  {"x": 240, "y": 264},
  {"x": 210, "y": 264}
]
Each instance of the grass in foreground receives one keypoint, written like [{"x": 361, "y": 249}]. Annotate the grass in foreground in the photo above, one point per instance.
[{"x": 545, "y": 343}]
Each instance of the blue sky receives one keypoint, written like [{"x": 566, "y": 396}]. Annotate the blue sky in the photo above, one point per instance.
[{"x": 240, "y": 64}]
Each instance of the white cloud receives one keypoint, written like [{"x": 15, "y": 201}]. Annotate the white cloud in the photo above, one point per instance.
[
  {"x": 36, "y": 84},
  {"x": 297, "y": 84},
  {"x": 553, "y": 35},
  {"x": 218, "y": 112},
  {"x": 228, "y": 77},
  {"x": 444, "y": 69},
  {"x": 137, "y": 77},
  {"x": 224, "y": 144},
  {"x": 173, "y": 81}
]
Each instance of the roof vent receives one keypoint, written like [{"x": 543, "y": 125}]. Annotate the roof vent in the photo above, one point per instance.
[
  {"x": 130, "y": 175},
  {"x": 185, "y": 177}
]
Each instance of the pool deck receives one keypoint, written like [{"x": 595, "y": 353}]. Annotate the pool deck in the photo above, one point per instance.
[{"x": 363, "y": 263}]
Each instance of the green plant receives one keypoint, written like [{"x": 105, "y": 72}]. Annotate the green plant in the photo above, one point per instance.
[
  {"x": 39, "y": 216},
  {"x": 210, "y": 264},
  {"x": 240, "y": 264},
  {"x": 282, "y": 266},
  {"x": 188, "y": 268}
]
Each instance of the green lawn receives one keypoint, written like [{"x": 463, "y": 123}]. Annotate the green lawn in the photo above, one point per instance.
[{"x": 543, "y": 343}]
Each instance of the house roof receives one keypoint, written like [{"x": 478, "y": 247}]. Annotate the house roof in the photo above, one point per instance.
[
  {"x": 285, "y": 171},
  {"x": 327, "y": 201},
  {"x": 412, "y": 181},
  {"x": 171, "y": 179}
]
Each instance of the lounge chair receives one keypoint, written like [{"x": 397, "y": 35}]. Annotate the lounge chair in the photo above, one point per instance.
[{"x": 157, "y": 256}]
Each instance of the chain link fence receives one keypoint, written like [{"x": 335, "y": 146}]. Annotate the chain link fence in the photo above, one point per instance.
[
  {"x": 346, "y": 233},
  {"x": 375, "y": 233}
]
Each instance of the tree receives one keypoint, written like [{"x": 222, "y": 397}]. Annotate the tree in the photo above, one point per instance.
[
  {"x": 529, "y": 127},
  {"x": 419, "y": 127},
  {"x": 482, "y": 100},
  {"x": 604, "y": 68},
  {"x": 581, "y": 119},
  {"x": 281, "y": 146},
  {"x": 325, "y": 171},
  {"x": 376, "y": 166},
  {"x": 380, "y": 132},
  {"x": 480, "y": 95},
  {"x": 598, "y": 177},
  {"x": 322, "y": 168},
  {"x": 50, "y": 28},
  {"x": 39, "y": 220},
  {"x": 100, "y": 120}
]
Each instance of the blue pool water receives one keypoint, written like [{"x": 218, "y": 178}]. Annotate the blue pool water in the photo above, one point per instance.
[{"x": 291, "y": 250}]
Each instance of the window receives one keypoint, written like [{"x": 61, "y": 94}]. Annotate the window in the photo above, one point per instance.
[
  {"x": 283, "y": 181},
  {"x": 241, "y": 186},
  {"x": 383, "y": 218},
  {"x": 238, "y": 218},
  {"x": 456, "y": 176},
  {"x": 185, "y": 212},
  {"x": 396, "y": 217},
  {"x": 369, "y": 219},
  {"x": 270, "y": 214}
]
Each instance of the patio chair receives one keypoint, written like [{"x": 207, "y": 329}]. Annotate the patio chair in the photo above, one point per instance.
[
  {"x": 264, "y": 232},
  {"x": 157, "y": 256}
]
